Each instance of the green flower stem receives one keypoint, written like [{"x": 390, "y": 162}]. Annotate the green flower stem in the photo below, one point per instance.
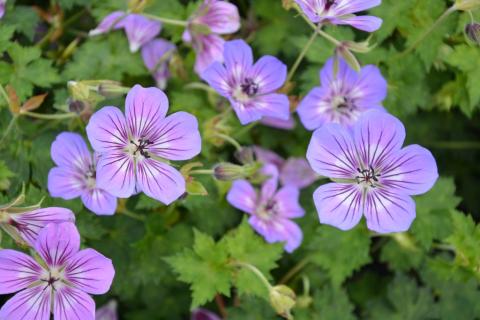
[
  {"x": 303, "y": 53},
  {"x": 166, "y": 20},
  {"x": 4, "y": 94},
  {"x": 58, "y": 116},
  {"x": 442, "y": 246},
  {"x": 131, "y": 214},
  {"x": 318, "y": 29},
  {"x": 229, "y": 139},
  {"x": 254, "y": 269},
  {"x": 11, "y": 124},
  {"x": 200, "y": 172},
  {"x": 200, "y": 86},
  {"x": 296, "y": 269},
  {"x": 455, "y": 145},
  {"x": 246, "y": 129}
]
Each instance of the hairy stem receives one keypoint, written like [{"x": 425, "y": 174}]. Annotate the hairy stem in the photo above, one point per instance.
[
  {"x": 254, "y": 269},
  {"x": 58, "y": 116},
  {"x": 174, "y": 22},
  {"x": 303, "y": 53},
  {"x": 296, "y": 268}
]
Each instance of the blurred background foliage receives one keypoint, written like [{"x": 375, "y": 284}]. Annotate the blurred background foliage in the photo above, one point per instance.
[{"x": 176, "y": 258}]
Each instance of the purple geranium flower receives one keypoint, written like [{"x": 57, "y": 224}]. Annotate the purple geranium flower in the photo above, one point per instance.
[
  {"x": 134, "y": 149},
  {"x": 341, "y": 12},
  {"x": 249, "y": 87},
  {"x": 156, "y": 56},
  {"x": 343, "y": 96},
  {"x": 76, "y": 176},
  {"x": 372, "y": 174},
  {"x": 60, "y": 283},
  {"x": 139, "y": 30},
  {"x": 213, "y": 18},
  {"x": 271, "y": 210},
  {"x": 107, "y": 312},
  {"x": 25, "y": 226},
  {"x": 3, "y": 3},
  {"x": 203, "y": 314}
]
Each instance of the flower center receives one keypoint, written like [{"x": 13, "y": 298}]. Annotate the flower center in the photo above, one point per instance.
[
  {"x": 247, "y": 89},
  {"x": 90, "y": 177},
  {"x": 53, "y": 278},
  {"x": 267, "y": 210},
  {"x": 329, "y": 4},
  {"x": 367, "y": 177},
  {"x": 139, "y": 147}
]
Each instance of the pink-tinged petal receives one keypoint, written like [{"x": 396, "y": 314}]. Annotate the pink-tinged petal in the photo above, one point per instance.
[
  {"x": 243, "y": 196},
  {"x": 217, "y": 77},
  {"x": 29, "y": 224},
  {"x": 145, "y": 108},
  {"x": 73, "y": 304},
  {"x": 30, "y": 304},
  {"x": 66, "y": 183},
  {"x": 371, "y": 87},
  {"x": 339, "y": 205},
  {"x": 17, "y": 271},
  {"x": 287, "y": 203},
  {"x": 413, "y": 170},
  {"x": 269, "y": 186},
  {"x": 331, "y": 152},
  {"x": 313, "y": 109},
  {"x": 140, "y": 30},
  {"x": 116, "y": 173},
  {"x": 203, "y": 314},
  {"x": 176, "y": 137},
  {"x": 99, "y": 202},
  {"x": 107, "y": 312},
  {"x": 238, "y": 58},
  {"x": 90, "y": 271},
  {"x": 272, "y": 105},
  {"x": 160, "y": 181},
  {"x": 220, "y": 16},
  {"x": 69, "y": 150},
  {"x": 266, "y": 156},
  {"x": 377, "y": 136},
  {"x": 107, "y": 130},
  {"x": 387, "y": 211},
  {"x": 364, "y": 23},
  {"x": 113, "y": 21},
  {"x": 298, "y": 173},
  {"x": 352, "y": 6},
  {"x": 279, "y": 123},
  {"x": 57, "y": 243},
  {"x": 269, "y": 74},
  {"x": 338, "y": 75},
  {"x": 278, "y": 230},
  {"x": 209, "y": 49}
]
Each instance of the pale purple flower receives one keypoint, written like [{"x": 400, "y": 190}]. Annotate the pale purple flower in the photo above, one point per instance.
[
  {"x": 76, "y": 176},
  {"x": 25, "y": 226},
  {"x": 270, "y": 210},
  {"x": 341, "y": 12},
  {"x": 249, "y": 87},
  {"x": 60, "y": 283},
  {"x": 213, "y": 18},
  {"x": 139, "y": 29},
  {"x": 294, "y": 171},
  {"x": 203, "y": 314},
  {"x": 107, "y": 312},
  {"x": 343, "y": 96},
  {"x": 135, "y": 148},
  {"x": 157, "y": 55},
  {"x": 279, "y": 123},
  {"x": 373, "y": 175},
  {"x": 3, "y": 4}
]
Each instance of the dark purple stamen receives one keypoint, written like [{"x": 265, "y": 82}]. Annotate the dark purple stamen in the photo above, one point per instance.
[
  {"x": 249, "y": 87},
  {"x": 329, "y": 4},
  {"x": 141, "y": 147},
  {"x": 368, "y": 176}
]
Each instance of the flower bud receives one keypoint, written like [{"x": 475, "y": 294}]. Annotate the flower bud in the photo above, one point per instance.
[
  {"x": 78, "y": 90},
  {"x": 245, "y": 155},
  {"x": 111, "y": 89},
  {"x": 405, "y": 241},
  {"x": 349, "y": 57},
  {"x": 228, "y": 172},
  {"x": 76, "y": 106},
  {"x": 472, "y": 30},
  {"x": 137, "y": 5},
  {"x": 466, "y": 5},
  {"x": 282, "y": 299}
]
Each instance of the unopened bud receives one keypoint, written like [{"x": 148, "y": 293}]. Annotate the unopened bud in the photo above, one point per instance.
[
  {"x": 111, "y": 89},
  {"x": 245, "y": 155},
  {"x": 76, "y": 106},
  {"x": 472, "y": 30},
  {"x": 466, "y": 5},
  {"x": 360, "y": 47},
  {"x": 349, "y": 57},
  {"x": 228, "y": 172},
  {"x": 78, "y": 90},
  {"x": 282, "y": 299}
]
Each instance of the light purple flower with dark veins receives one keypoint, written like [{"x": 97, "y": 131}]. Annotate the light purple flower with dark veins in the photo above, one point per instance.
[
  {"x": 157, "y": 55},
  {"x": 373, "y": 175},
  {"x": 135, "y": 149},
  {"x": 341, "y": 12},
  {"x": 342, "y": 96},
  {"x": 203, "y": 314},
  {"x": 60, "y": 283},
  {"x": 139, "y": 30},
  {"x": 249, "y": 87},
  {"x": 76, "y": 176},
  {"x": 270, "y": 210},
  {"x": 25, "y": 226},
  {"x": 213, "y": 18},
  {"x": 107, "y": 312},
  {"x": 3, "y": 3}
]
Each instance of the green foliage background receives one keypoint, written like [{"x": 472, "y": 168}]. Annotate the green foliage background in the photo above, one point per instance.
[{"x": 180, "y": 257}]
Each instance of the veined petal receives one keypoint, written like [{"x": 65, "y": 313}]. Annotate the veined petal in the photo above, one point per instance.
[
  {"x": 17, "y": 271},
  {"x": 220, "y": 16},
  {"x": 217, "y": 77},
  {"x": 140, "y": 30},
  {"x": 268, "y": 73},
  {"x": 90, "y": 272},
  {"x": 160, "y": 181},
  {"x": 309, "y": 7},
  {"x": 246, "y": 113},
  {"x": 274, "y": 105},
  {"x": 66, "y": 183},
  {"x": 298, "y": 173},
  {"x": 107, "y": 312},
  {"x": 364, "y": 23},
  {"x": 99, "y": 202},
  {"x": 387, "y": 211},
  {"x": 242, "y": 196},
  {"x": 370, "y": 88},
  {"x": 107, "y": 130},
  {"x": 116, "y": 173},
  {"x": 331, "y": 152},
  {"x": 313, "y": 109},
  {"x": 57, "y": 243},
  {"x": 114, "y": 20},
  {"x": 266, "y": 156},
  {"x": 238, "y": 58},
  {"x": 32, "y": 303},
  {"x": 69, "y": 150},
  {"x": 73, "y": 304},
  {"x": 278, "y": 230},
  {"x": 339, "y": 205},
  {"x": 209, "y": 49},
  {"x": 351, "y": 6},
  {"x": 339, "y": 79},
  {"x": 155, "y": 51},
  {"x": 269, "y": 186},
  {"x": 176, "y": 137},
  {"x": 287, "y": 203}
]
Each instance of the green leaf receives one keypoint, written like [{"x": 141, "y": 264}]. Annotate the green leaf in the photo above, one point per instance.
[
  {"x": 5, "y": 175},
  {"x": 332, "y": 303}
]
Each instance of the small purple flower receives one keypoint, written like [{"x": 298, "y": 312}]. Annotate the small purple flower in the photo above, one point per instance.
[
  {"x": 60, "y": 284},
  {"x": 203, "y": 314},
  {"x": 25, "y": 226},
  {"x": 135, "y": 148},
  {"x": 3, "y": 3},
  {"x": 156, "y": 56},
  {"x": 271, "y": 210},
  {"x": 341, "y": 12},
  {"x": 139, "y": 30},
  {"x": 373, "y": 175},
  {"x": 249, "y": 87},
  {"x": 213, "y": 18},
  {"x": 107, "y": 312},
  {"x": 76, "y": 175},
  {"x": 342, "y": 96}
]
